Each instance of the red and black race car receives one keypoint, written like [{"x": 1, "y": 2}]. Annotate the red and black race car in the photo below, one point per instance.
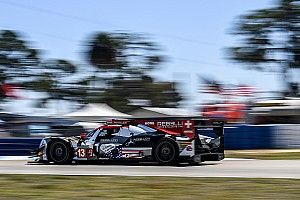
[{"x": 167, "y": 141}]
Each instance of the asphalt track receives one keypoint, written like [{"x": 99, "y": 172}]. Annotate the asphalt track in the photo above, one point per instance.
[{"x": 225, "y": 168}]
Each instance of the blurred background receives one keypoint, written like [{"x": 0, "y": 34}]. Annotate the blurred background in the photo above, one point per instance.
[{"x": 65, "y": 67}]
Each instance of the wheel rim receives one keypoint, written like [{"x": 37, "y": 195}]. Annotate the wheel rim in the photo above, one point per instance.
[
  {"x": 59, "y": 152},
  {"x": 166, "y": 152}
]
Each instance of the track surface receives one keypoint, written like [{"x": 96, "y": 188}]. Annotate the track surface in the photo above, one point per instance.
[{"x": 225, "y": 168}]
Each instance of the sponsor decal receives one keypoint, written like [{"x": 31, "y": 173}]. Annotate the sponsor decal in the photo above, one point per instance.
[
  {"x": 188, "y": 124},
  {"x": 164, "y": 124},
  {"x": 170, "y": 124},
  {"x": 149, "y": 123},
  {"x": 110, "y": 151},
  {"x": 107, "y": 147},
  {"x": 132, "y": 153},
  {"x": 147, "y": 139},
  {"x": 109, "y": 140}
]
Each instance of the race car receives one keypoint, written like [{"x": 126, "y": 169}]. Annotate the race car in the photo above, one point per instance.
[{"x": 167, "y": 141}]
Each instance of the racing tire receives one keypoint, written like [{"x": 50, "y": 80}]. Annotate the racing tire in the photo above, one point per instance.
[
  {"x": 166, "y": 152},
  {"x": 59, "y": 152}
]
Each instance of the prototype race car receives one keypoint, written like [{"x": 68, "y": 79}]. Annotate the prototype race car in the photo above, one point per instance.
[{"x": 167, "y": 141}]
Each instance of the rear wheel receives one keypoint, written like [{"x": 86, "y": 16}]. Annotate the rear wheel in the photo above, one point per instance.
[
  {"x": 166, "y": 152},
  {"x": 59, "y": 152}
]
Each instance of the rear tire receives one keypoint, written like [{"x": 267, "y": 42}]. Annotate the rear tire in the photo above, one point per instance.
[
  {"x": 59, "y": 152},
  {"x": 166, "y": 152}
]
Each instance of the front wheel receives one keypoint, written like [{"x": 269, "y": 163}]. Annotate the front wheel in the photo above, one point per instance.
[
  {"x": 59, "y": 152},
  {"x": 166, "y": 152}
]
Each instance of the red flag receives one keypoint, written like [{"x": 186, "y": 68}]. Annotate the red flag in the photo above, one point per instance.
[
  {"x": 9, "y": 90},
  {"x": 211, "y": 86},
  {"x": 244, "y": 90}
]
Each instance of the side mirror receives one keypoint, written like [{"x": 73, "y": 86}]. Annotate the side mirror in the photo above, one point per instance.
[{"x": 83, "y": 136}]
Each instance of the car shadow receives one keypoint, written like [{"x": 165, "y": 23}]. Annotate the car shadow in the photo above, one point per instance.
[{"x": 130, "y": 163}]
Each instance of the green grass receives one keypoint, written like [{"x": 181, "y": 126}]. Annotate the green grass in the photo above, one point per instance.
[
  {"x": 116, "y": 187},
  {"x": 263, "y": 155}
]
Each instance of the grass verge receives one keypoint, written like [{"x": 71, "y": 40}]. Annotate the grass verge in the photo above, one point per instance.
[
  {"x": 116, "y": 187},
  {"x": 263, "y": 154}
]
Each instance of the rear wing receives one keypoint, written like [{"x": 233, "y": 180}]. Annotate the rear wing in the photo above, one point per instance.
[{"x": 181, "y": 125}]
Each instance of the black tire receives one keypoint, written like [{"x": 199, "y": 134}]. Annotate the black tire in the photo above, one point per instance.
[
  {"x": 59, "y": 152},
  {"x": 166, "y": 152}
]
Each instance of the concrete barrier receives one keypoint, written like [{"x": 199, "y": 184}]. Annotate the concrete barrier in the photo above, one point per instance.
[
  {"x": 18, "y": 146},
  {"x": 275, "y": 136},
  {"x": 287, "y": 136},
  {"x": 248, "y": 137}
]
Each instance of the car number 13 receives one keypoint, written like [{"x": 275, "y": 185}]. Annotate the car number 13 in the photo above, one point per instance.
[{"x": 83, "y": 153}]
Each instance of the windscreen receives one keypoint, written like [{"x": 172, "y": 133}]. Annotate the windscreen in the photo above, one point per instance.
[
  {"x": 91, "y": 133},
  {"x": 146, "y": 128}
]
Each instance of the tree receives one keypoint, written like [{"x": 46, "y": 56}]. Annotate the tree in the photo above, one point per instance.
[
  {"x": 125, "y": 91},
  {"x": 128, "y": 52},
  {"x": 124, "y": 62},
  {"x": 270, "y": 39},
  {"x": 17, "y": 59},
  {"x": 21, "y": 65}
]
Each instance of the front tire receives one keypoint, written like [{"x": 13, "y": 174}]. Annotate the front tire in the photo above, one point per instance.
[
  {"x": 59, "y": 152},
  {"x": 166, "y": 152}
]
